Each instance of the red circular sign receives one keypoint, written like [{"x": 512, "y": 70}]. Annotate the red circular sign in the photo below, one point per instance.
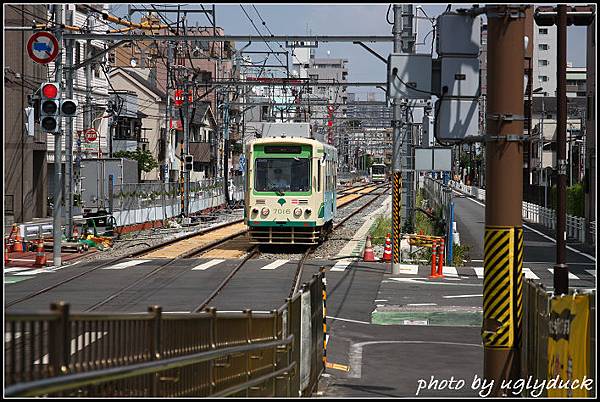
[
  {"x": 91, "y": 135},
  {"x": 42, "y": 47}
]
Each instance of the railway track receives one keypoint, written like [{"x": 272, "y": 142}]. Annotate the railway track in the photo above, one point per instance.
[{"x": 194, "y": 245}]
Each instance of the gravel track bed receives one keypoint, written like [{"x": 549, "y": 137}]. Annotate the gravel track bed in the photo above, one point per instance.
[
  {"x": 137, "y": 241},
  {"x": 336, "y": 240}
]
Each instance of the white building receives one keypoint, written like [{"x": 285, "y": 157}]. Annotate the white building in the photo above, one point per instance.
[{"x": 544, "y": 58}]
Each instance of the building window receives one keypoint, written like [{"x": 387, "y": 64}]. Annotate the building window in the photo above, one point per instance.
[
  {"x": 543, "y": 31},
  {"x": 543, "y": 46},
  {"x": 542, "y": 78},
  {"x": 543, "y": 63}
]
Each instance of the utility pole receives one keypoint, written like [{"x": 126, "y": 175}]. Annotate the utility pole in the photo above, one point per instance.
[
  {"x": 561, "y": 271},
  {"x": 69, "y": 133},
  {"x": 503, "y": 240},
  {"x": 562, "y": 16},
  {"x": 408, "y": 182},
  {"x": 58, "y": 190},
  {"x": 396, "y": 153},
  {"x": 186, "y": 147}
]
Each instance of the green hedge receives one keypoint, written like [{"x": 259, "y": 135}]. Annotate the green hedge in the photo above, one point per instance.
[{"x": 575, "y": 200}]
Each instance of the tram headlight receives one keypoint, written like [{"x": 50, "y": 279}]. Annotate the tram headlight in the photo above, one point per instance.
[
  {"x": 265, "y": 211},
  {"x": 254, "y": 210},
  {"x": 308, "y": 211},
  {"x": 297, "y": 212}
]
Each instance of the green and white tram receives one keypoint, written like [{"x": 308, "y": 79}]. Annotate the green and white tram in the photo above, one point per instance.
[
  {"x": 378, "y": 173},
  {"x": 290, "y": 190}
]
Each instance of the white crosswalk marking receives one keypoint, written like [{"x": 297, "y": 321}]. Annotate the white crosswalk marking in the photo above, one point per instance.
[
  {"x": 8, "y": 270},
  {"x": 127, "y": 264},
  {"x": 450, "y": 271},
  {"x": 591, "y": 272},
  {"x": 77, "y": 344},
  {"x": 409, "y": 269},
  {"x": 341, "y": 265},
  {"x": 479, "y": 271},
  {"x": 529, "y": 274},
  {"x": 207, "y": 265},
  {"x": 571, "y": 275},
  {"x": 275, "y": 264},
  {"x": 34, "y": 272}
]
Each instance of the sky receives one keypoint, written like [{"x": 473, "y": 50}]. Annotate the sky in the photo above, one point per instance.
[{"x": 341, "y": 19}]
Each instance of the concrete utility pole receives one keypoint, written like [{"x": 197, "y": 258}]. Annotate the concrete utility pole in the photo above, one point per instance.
[
  {"x": 396, "y": 153},
  {"x": 503, "y": 241},
  {"x": 186, "y": 147},
  {"x": 408, "y": 170},
  {"x": 69, "y": 133},
  {"x": 58, "y": 190}
]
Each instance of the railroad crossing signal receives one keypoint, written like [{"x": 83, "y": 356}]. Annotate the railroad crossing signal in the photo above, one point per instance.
[{"x": 50, "y": 107}]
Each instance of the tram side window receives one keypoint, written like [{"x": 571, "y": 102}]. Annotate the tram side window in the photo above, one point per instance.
[{"x": 318, "y": 175}]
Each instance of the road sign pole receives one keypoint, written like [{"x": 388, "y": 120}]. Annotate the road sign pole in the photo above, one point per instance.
[
  {"x": 69, "y": 134},
  {"x": 57, "y": 209}
]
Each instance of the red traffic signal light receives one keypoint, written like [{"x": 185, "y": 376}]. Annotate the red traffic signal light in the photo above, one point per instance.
[{"x": 50, "y": 90}]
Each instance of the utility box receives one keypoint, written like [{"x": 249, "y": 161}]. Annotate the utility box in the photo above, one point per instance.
[
  {"x": 409, "y": 76},
  {"x": 286, "y": 130},
  {"x": 457, "y": 120},
  {"x": 458, "y": 34},
  {"x": 461, "y": 76},
  {"x": 427, "y": 139},
  {"x": 94, "y": 178},
  {"x": 433, "y": 159}
]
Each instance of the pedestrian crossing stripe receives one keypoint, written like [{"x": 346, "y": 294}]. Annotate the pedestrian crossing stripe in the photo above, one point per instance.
[
  {"x": 207, "y": 265},
  {"x": 275, "y": 264},
  {"x": 571, "y": 275},
  {"x": 450, "y": 271},
  {"x": 127, "y": 264},
  {"x": 341, "y": 265}
]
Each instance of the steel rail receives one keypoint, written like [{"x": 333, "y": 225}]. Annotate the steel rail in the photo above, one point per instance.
[
  {"x": 116, "y": 260},
  {"x": 251, "y": 253}
]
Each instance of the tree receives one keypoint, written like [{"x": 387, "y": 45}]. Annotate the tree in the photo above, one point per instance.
[{"x": 144, "y": 158}]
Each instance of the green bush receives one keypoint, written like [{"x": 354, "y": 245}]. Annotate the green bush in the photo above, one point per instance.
[
  {"x": 575, "y": 200},
  {"x": 380, "y": 229}
]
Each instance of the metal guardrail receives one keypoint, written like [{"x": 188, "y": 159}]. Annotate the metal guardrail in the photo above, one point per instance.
[{"x": 59, "y": 353}]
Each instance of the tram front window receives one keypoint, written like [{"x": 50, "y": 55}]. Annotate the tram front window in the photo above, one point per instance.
[
  {"x": 378, "y": 169},
  {"x": 281, "y": 175}
]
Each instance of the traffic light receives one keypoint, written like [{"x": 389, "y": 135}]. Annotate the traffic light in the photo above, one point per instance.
[
  {"x": 189, "y": 162},
  {"x": 50, "y": 107},
  {"x": 68, "y": 107}
]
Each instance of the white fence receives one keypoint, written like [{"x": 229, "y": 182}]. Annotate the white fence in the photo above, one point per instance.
[
  {"x": 139, "y": 203},
  {"x": 537, "y": 214}
]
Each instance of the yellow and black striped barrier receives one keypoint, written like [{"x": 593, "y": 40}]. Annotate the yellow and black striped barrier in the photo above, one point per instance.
[
  {"x": 396, "y": 217},
  {"x": 502, "y": 287}
]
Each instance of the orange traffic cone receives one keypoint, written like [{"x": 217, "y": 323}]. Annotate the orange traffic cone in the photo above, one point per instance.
[
  {"x": 18, "y": 246},
  {"x": 387, "y": 251},
  {"x": 6, "y": 260},
  {"x": 40, "y": 256},
  {"x": 368, "y": 255}
]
